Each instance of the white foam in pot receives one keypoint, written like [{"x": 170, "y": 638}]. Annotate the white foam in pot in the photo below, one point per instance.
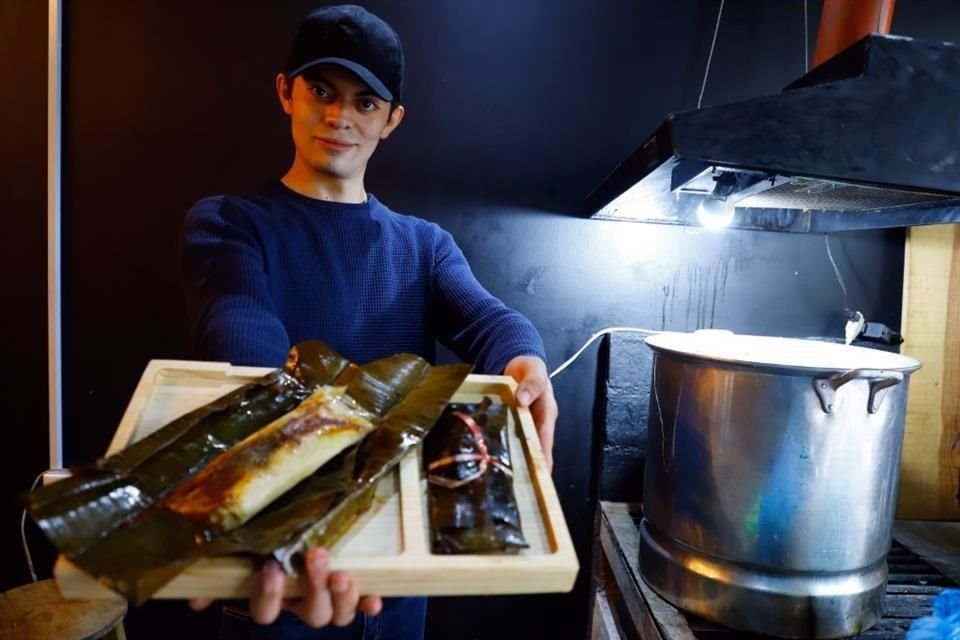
[{"x": 786, "y": 352}]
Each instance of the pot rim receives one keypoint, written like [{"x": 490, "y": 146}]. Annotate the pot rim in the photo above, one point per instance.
[{"x": 720, "y": 347}]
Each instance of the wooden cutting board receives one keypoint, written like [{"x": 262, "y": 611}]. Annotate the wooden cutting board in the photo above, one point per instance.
[
  {"x": 387, "y": 551},
  {"x": 930, "y": 468}
]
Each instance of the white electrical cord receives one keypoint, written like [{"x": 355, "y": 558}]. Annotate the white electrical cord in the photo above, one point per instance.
[
  {"x": 598, "y": 334},
  {"x": 23, "y": 531},
  {"x": 836, "y": 271},
  {"x": 706, "y": 72},
  {"x": 855, "y": 323}
]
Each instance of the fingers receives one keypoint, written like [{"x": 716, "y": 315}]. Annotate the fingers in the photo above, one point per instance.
[
  {"x": 267, "y": 600},
  {"x": 316, "y": 606},
  {"x": 329, "y": 597},
  {"x": 345, "y": 599},
  {"x": 530, "y": 389},
  {"x": 199, "y": 604},
  {"x": 544, "y": 412},
  {"x": 371, "y": 605},
  {"x": 531, "y": 373},
  {"x": 536, "y": 392}
]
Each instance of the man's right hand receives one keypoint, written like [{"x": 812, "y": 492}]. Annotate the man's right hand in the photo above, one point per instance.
[{"x": 329, "y": 597}]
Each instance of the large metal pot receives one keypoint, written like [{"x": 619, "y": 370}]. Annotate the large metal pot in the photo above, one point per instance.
[{"x": 771, "y": 480}]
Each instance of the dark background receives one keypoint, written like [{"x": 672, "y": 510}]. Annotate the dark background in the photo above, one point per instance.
[{"x": 516, "y": 109}]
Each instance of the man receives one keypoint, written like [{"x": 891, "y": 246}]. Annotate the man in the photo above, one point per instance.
[{"x": 316, "y": 256}]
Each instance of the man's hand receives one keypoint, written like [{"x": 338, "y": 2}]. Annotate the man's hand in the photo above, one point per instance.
[
  {"x": 536, "y": 392},
  {"x": 328, "y": 597}
]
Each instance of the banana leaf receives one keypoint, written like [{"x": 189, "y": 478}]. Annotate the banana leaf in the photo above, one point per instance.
[
  {"x": 339, "y": 493},
  {"x": 292, "y": 513},
  {"x": 108, "y": 518},
  {"x": 85, "y": 508},
  {"x": 239, "y": 483},
  {"x": 471, "y": 504}
]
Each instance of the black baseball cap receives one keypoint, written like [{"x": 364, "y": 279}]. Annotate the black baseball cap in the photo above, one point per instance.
[{"x": 354, "y": 38}]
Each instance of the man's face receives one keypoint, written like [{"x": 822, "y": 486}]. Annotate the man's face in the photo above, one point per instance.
[{"x": 336, "y": 119}]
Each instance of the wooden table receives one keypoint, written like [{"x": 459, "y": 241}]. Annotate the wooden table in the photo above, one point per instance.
[{"x": 924, "y": 560}]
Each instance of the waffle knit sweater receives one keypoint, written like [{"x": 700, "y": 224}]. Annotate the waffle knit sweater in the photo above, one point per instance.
[{"x": 267, "y": 270}]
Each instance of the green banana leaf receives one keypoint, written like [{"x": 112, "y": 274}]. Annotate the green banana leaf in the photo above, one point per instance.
[
  {"x": 343, "y": 490},
  {"x": 108, "y": 520},
  {"x": 471, "y": 503},
  {"x": 81, "y": 510}
]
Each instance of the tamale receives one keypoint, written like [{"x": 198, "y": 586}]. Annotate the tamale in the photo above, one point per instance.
[
  {"x": 471, "y": 504},
  {"x": 254, "y": 472},
  {"x": 78, "y": 511},
  {"x": 109, "y": 518},
  {"x": 293, "y": 512},
  {"x": 403, "y": 427}
]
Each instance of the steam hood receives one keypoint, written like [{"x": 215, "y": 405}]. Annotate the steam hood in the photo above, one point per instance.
[{"x": 868, "y": 139}]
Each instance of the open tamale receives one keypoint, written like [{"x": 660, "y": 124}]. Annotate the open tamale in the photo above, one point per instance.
[
  {"x": 339, "y": 493},
  {"x": 111, "y": 518},
  {"x": 95, "y": 500},
  {"x": 240, "y": 482},
  {"x": 472, "y": 507}
]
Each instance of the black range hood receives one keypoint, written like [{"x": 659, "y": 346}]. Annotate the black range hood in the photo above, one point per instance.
[{"x": 869, "y": 139}]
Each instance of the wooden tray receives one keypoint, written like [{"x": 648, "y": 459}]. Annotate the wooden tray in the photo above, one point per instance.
[{"x": 387, "y": 551}]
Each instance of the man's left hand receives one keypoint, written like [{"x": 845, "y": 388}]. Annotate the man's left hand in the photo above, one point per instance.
[{"x": 536, "y": 392}]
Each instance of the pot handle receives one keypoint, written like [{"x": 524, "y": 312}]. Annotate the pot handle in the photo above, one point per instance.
[{"x": 880, "y": 381}]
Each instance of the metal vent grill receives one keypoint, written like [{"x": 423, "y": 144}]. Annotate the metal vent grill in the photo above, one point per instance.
[{"x": 820, "y": 195}]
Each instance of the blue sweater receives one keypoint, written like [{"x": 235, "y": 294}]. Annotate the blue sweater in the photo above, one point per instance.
[{"x": 270, "y": 269}]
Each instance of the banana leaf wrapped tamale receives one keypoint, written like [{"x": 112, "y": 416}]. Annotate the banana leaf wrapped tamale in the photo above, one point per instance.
[
  {"x": 240, "y": 482},
  {"x": 110, "y": 518},
  {"x": 78, "y": 511},
  {"x": 343, "y": 490},
  {"x": 471, "y": 502}
]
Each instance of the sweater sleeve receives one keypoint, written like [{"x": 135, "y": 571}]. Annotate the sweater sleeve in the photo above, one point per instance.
[
  {"x": 477, "y": 326},
  {"x": 232, "y": 315}
]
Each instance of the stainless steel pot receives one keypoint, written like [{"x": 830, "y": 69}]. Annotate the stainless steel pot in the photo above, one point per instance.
[{"x": 771, "y": 480}]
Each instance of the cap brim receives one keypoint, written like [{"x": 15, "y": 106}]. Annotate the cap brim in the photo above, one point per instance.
[{"x": 362, "y": 72}]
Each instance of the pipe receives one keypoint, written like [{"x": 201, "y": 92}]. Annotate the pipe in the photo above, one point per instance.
[
  {"x": 843, "y": 22},
  {"x": 54, "y": 161}
]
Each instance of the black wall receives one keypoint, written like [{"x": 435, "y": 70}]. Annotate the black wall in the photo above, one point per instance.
[
  {"x": 23, "y": 329},
  {"x": 516, "y": 109}
]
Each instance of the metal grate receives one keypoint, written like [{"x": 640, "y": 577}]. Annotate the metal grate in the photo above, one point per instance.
[
  {"x": 821, "y": 195},
  {"x": 911, "y": 588},
  {"x": 912, "y": 585}
]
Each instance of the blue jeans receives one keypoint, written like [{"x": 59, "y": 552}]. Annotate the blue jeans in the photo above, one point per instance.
[{"x": 401, "y": 619}]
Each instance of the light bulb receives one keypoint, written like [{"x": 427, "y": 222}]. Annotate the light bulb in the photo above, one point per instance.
[{"x": 715, "y": 214}]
